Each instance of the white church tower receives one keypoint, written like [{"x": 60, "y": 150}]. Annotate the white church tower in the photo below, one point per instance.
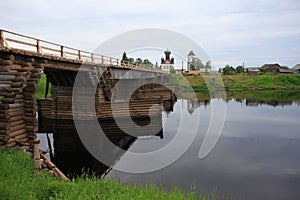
[{"x": 191, "y": 57}]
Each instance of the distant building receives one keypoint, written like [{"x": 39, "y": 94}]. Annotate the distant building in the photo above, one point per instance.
[
  {"x": 194, "y": 63},
  {"x": 180, "y": 71},
  {"x": 275, "y": 69},
  {"x": 296, "y": 69},
  {"x": 191, "y": 57},
  {"x": 167, "y": 63},
  {"x": 231, "y": 71},
  {"x": 193, "y": 72},
  {"x": 252, "y": 70}
]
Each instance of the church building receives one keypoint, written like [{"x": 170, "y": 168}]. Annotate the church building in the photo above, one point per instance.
[{"x": 167, "y": 63}]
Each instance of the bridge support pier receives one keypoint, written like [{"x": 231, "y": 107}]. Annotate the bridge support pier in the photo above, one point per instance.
[{"x": 18, "y": 82}]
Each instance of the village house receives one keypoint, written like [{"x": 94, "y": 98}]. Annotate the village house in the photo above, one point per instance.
[
  {"x": 275, "y": 69},
  {"x": 252, "y": 70},
  {"x": 296, "y": 69}
]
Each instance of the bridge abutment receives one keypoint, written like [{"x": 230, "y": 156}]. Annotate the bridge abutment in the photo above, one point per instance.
[{"x": 18, "y": 82}]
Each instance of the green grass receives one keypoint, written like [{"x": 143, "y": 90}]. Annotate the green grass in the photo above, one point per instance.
[
  {"x": 243, "y": 81},
  {"x": 41, "y": 88},
  {"x": 17, "y": 181}
]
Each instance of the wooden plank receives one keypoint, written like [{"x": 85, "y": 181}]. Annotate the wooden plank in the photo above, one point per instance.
[{"x": 20, "y": 42}]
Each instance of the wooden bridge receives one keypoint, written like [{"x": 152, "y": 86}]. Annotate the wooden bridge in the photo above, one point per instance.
[{"x": 22, "y": 61}]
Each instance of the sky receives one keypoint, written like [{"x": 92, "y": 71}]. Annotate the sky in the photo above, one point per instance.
[{"x": 253, "y": 32}]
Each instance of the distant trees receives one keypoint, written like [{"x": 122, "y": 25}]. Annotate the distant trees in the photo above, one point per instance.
[
  {"x": 172, "y": 71},
  {"x": 227, "y": 70},
  {"x": 139, "y": 61},
  {"x": 124, "y": 57},
  {"x": 147, "y": 62},
  {"x": 239, "y": 69},
  {"x": 208, "y": 65},
  {"x": 197, "y": 64},
  {"x": 130, "y": 60}
]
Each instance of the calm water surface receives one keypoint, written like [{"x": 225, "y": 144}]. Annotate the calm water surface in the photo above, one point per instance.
[{"x": 256, "y": 157}]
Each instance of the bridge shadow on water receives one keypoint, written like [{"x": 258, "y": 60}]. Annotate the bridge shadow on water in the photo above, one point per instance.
[{"x": 71, "y": 156}]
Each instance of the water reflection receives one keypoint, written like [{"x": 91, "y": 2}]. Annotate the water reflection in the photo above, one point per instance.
[
  {"x": 249, "y": 98},
  {"x": 70, "y": 155},
  {"x": 257, "y": 156}
]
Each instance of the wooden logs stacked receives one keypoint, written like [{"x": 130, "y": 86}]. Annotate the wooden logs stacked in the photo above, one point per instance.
[
  {"x": 18, "y": 81},
  {"x": 11, "y": 129},
  {"x": 30, "y": 104},
  {"x": 16, "y": 130},
  {"x": 3, "y": 125}
]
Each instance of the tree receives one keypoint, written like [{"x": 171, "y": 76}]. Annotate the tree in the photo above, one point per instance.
[
  {"x": 146, "y": 62},
  {"x": 239, "y": 69},
  {"x": 196, "y": 64},
  {"x": 172, "y": 71},
  {"x": 124, "y": 57},
  {"x": 192, "y": 67},
  {"x": 227, "y": 70},
  {"x": 208, "y": 65},
  {"x": 138, "y": 61},
  {"x": 131, "y": 60}
]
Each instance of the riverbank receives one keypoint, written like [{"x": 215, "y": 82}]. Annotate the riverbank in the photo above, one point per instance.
[
  {"x": 19, "y": 182},
  {"x": 262, "y": 95},
  {"x": 244, "y": 82}
]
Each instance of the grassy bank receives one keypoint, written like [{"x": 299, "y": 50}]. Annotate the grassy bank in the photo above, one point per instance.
[
  {"x": 17, "y": 181},
  {"x": 244, "y": 82}
]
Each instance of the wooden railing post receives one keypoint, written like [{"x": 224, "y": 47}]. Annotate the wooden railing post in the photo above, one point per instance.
[
  {"x": 2, "y": 40},
  {"x": 110, "y": 61},
  {"x": 38, "y": 46},
  {"x": 79, "y": 55},
  {"x": 62, "y": 51}
]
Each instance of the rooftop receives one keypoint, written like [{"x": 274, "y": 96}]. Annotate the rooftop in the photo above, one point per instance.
[{"x": 191, "y": 53}]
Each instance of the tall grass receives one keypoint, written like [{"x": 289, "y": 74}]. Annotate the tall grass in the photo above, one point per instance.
[{"x": 17, "y": 181}]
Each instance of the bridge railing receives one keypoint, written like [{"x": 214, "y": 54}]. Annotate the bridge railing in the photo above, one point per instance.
[{"x": 18, "y": 41}]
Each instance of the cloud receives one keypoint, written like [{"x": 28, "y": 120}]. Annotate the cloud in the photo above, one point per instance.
[{"x": 231, "y": 31}]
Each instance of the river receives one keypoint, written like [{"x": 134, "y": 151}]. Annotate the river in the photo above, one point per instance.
[{"x": 257, "y": 155}]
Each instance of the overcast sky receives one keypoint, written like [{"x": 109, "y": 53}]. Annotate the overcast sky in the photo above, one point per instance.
[{"x": 231, "y": 31}]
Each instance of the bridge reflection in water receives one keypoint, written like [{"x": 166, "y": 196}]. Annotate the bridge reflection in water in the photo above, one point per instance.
[{"x": 70, "y": 155}]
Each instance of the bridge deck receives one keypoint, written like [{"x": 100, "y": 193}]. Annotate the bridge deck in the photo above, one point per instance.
[{"x": 26, "y": 45}]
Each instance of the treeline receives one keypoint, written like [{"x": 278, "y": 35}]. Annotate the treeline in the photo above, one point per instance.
[
  {"x": 139, "y": 61},
  {"x": 197, "y": 64}
]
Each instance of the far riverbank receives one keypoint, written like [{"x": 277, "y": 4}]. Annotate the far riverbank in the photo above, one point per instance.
[{"x": 242, "y": 82}]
